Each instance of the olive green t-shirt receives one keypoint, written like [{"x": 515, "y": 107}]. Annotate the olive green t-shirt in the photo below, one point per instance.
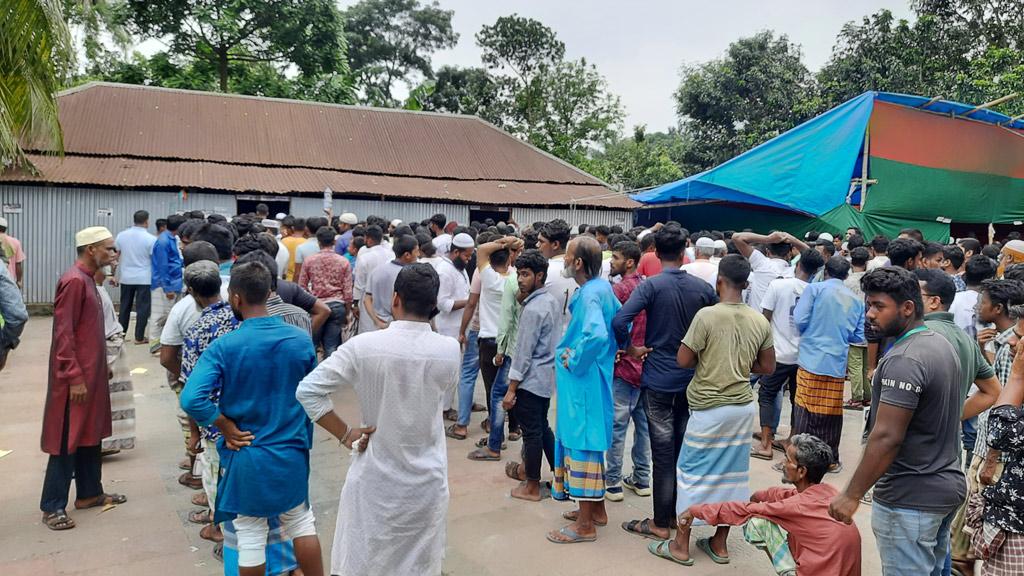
[{"x": 726, "y": 338}]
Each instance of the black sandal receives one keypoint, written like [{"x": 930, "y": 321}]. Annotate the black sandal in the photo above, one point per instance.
[
  {"x": 642, "y": 528},
  {"x": 104, "y": 500},
  {"x": 58, "y": 520},
  {"x": 513, "y": 469},
  {"x": 451, "y": 433}
]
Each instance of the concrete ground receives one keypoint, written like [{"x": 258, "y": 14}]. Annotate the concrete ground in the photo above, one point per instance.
[{"x": 488, "y": 532}]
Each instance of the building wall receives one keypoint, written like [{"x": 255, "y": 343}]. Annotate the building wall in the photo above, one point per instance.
[{"x": 49, "y": 217}]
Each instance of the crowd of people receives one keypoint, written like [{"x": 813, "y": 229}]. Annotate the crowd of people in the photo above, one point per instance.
[{"x": 697, "y": 339}]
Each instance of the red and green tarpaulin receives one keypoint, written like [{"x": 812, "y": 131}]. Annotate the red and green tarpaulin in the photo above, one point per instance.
[{"x": 930, "y": 162}]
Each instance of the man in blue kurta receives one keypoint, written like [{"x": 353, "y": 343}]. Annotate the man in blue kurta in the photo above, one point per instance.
[
  {"x": 265, "y": 434},
  {"x": 583, "y": 377}
]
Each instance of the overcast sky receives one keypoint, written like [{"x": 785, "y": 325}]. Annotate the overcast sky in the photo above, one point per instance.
[{"x": 639, "y": 45}]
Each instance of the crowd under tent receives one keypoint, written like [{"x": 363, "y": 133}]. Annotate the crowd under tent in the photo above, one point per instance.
[{"x": 881, "y": 162}]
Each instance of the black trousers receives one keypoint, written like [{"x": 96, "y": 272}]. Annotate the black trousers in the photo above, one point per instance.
[
  {"x": 667, "y": 414},
  {"x": 84, "y": 465},
  {"x": 140, "y": 295},
  {"x": 770, "y": 386},
  {"x": 488, "y": 371},
  {"x": 538, "y": 438}
]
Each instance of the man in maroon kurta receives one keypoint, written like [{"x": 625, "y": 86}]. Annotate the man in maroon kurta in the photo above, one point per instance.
[{"x": 77, "y": 413}]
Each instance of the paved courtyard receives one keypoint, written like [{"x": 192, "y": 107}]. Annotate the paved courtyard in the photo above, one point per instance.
[{"x": 488, "y": 532}]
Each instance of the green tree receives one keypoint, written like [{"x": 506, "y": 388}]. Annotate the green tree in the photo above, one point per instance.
[
  {"x": 637, "y": 162},
  {"x": 391, "y": 41},
  {"x": 563, "y": 107},
  {"x": 283, "y": 33},
  {"x": 465, "y": 91},
  {"x": 36, "y": 58},
  {"x": 758, "y": 90}
]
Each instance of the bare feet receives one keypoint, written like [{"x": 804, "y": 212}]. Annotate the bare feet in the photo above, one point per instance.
[
  {"x": 679, "y": 552},
  {"x": 600, "y": 519},
  {"x": 530, "y": 491},
  {"x": 718, "y": 543}
]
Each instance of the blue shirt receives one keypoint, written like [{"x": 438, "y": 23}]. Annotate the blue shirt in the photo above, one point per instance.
[
  {"x": 533, "y": 358},
  {"x": 216, "y": 320},
  {"x": 829, "y": 317},
  {"x": 166, "y": 262},
  {"x": 671, "y": 300},
  {"x": 258, "y": 368},
  {"x": 135, "y": 246},
  {"x": 341, "y": 243},
  {"x": 585, "y": 406}
]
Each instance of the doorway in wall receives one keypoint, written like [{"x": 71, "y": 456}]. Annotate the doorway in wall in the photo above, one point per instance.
[
  {"x": 482, "y": 213},
  {"x": 277, "y": 204}
]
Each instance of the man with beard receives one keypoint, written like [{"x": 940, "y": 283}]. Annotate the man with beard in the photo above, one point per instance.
[
  {"x": 911, "y": 456},
  {"x": 452, "y": 296}
]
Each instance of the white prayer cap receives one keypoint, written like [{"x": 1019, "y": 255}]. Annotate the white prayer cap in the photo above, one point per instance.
[
  {"x": 348, "y": 218},
  {"x": 826, "y": 237},
  {"x": 462, "y": 240},
  {"x": 396, "y": 222},
  {"x": 91, "y": 235},
  {"x": 705, "y": 242},
  {"x": 3, "y": 221},
  {"x": 641, "y": 235},
  {"x": 280, "y": 216},
  {"x": 721, "y": 245},
  {"x": 268, "y": 223}
]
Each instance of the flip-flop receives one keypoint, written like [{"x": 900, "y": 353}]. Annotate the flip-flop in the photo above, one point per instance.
[
  {"x": 479, "y": 407},
  {"x": 705, "y": 545},
  {"x": 451, "y": 433},
  {"x": 640, "y": 528},
  {"x": 574, "y": 537},
  {"x": 104, "y": 500},
  {"x": 760, "y": 455},
  {"x": 200, "y": 517},
  {"x": 481, "y": 455},
  {"x": 572, "y": 515},
  {"x": 210, "y": 532},
  {"x": 512, "y": 470},
  {"x": 661, "y": 550},
  {"x": 778, "y": 445},
  {"x": 482, "y": 443},
  {"x": 200, "y": 499},
  {"x": 514, "y": 436}
]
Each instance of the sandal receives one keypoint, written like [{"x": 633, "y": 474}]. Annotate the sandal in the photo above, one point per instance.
[
  {"x": 780, "y": 445},
  {"x": 218, "y": 552},
  {"x": 574, "y": 538},
  {"x": 755, "y": 453},
  {"x": 185, "y": 464},
  {"x": 482, "y": 454},
  {"x": 103, "y": 500},
  {"x": 190, "y": 480},
  {"x": 58, "y": 520},
  {"x": 572, "y": 515},
  {"x": 515, "y": 435},
  {"x": 482, "y": 443},
  {"x": 451, "y": 415},
  {"x": 705, "y": 545},
  {"x": 451, "y": 433},
  {"x": 661, "y": 550},
  {"x": 478, "y": 407},
  {"x": 641, "y": 528},
  {"x": 200, "y": 500},
  {"x": 200, "y": 516},
  {"x": 210, "y": 532},
  {"x": 513, "y": 470}
]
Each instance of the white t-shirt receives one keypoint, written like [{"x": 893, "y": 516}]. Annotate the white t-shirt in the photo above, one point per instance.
[
  {"x": 877, "y": 262},
  {"x": 781, "y": 298},
  {"x": 282, "y": 259},
  {"x": 703, "y": 269},
  {"x": 963, "y": 312},
  {"x": 561, "y": 288},
  {"x": 492, "y": 287},
  {"x": 180, "y": 318},
  {"x": 762, "y": 271},
  {"x": 306, "y": 249},
  {"x": 442, "y": 243}
]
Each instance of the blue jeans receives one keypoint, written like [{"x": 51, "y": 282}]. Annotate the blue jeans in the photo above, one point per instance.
[
  {"x": 331, "y": 332},
  {"x": 970, "y": 434},
  {"x": 467, "y": 381},
  {"x": 498, "y": 391},
  {"x": 911, "y": 542},
  {"x": 628, "y": 405}
]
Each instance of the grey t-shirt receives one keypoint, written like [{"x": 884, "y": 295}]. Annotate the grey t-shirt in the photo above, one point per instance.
[
  {"x": 382, "y": 287},
  {"x": 921, "y": 372}
]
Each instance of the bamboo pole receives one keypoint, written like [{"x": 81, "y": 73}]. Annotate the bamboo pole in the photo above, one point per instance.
[
  {"x": 864, "y": 169},
  {"x": 986, "y": 105}
]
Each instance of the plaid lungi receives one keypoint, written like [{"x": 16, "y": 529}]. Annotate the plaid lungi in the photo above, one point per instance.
[
  {"x": 1001, "y": 552},
  {"x": 579, "y": 474},
  {"x": 774, "y": 540},
  {"x": 819, "y": 408}
]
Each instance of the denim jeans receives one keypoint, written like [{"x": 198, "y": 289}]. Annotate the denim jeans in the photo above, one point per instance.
[
  {"x": 667, "y": 414},
  {"x": 331, "y": 332},
  {"x": 627, "y": 406},
  {"x": 538, "y": 439},
  {"x": 490, "y": 374},
  {"x": 467, "y": 380},
  {"x": 140, "y": 295},
  {"x": 498, "y": 391},
  {"x": 970, "y": 434},
  {"x": 770, "y": 392},
  {"x": 911, "y": 542}
]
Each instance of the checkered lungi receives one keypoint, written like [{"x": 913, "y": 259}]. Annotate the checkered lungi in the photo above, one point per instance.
[{"x": 579, "y": 474}]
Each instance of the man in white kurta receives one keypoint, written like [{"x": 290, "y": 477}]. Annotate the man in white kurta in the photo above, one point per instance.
[
  {"x": 453, "y": 293},
  {"x": 370, "y": 257},
  {"x": 394, "y": 504}
]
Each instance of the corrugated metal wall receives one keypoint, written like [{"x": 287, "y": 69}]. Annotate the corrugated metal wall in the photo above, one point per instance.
[
  {"x": 50, "y": 216},
  {"x": 526, "y": 216}
]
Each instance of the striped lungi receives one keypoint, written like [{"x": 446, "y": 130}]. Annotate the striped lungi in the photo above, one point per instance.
[
  {"x": 714, "y": 463},
  {"x": 819, "y": 408},
  {"x": 579, "y": 474}
]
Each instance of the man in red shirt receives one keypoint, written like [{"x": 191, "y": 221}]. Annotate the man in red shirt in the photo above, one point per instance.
[
  {"x": 626, "y": 388},
  {"x": 328, "y": 276},
  {"x": 791, "y": 525}
]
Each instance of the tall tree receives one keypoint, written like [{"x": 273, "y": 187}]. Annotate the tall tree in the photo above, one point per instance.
[
  {"x": 759, "y": 89},
  {"x": 466, "y": 91},
  {"x": 305, "y": 34},
  {"x": 637, "y": 162},
  {"x": 391, "y": 41},
  {"x": 36, "y": 57}
]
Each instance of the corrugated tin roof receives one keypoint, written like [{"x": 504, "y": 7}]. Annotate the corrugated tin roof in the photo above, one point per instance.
[
  {"x": 127, "y": 135},
  {"x": 138, "y": 173}
]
